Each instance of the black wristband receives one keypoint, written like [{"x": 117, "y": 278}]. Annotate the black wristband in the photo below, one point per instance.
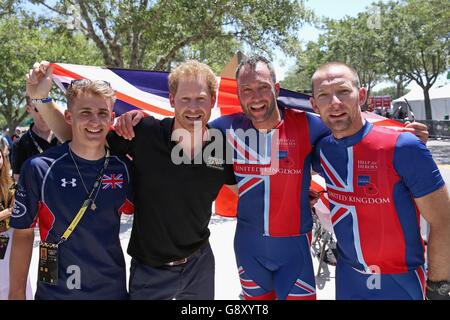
[{"x": 438, "y": 290}]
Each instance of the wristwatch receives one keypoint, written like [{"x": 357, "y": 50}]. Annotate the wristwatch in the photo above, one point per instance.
[
  {"x": 42, "y": 101},
  {"x": 438, "y": 290}
]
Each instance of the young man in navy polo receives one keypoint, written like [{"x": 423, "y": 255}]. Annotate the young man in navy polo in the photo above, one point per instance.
[{"x": 75, "y": 193}]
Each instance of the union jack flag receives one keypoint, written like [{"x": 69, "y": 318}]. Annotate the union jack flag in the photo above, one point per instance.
[
  {"x": 259, "y": 160},
  {"x": 340, "y": 210},
  {"x": 149, "y": 90},
  {"x": 112, "y": 181}
]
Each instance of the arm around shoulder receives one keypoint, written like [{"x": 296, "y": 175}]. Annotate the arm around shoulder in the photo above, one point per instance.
[{"x": 435, "y": 208}]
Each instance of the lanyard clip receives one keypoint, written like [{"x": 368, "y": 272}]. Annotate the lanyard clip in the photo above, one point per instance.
[{"x": 61, "y": 241}]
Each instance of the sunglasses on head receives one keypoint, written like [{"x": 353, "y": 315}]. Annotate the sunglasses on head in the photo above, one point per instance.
[{"x": 84, "y": 82}]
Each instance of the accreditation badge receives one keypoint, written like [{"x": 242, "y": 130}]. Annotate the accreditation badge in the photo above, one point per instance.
[
  {"x": 4, "y": 239},
  {"x": 48, "y": 263}
]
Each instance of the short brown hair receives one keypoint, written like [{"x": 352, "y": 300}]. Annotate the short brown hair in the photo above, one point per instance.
[
  {"x": 328, "y": 65},
  {"x": 193, "y": 68},
  {"x": 252, "y": 61},
  {"x": 95, "y": 87}
]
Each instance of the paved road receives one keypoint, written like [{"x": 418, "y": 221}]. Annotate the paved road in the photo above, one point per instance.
[
  {"x": 441, "y": 151},
  {"x": 445, "y": 172}
]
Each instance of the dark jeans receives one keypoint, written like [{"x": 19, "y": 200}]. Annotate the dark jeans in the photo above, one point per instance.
[{"x": 193, "y": 280}]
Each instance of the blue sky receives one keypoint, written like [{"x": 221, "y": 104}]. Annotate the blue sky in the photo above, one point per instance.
[
  {"x": 338, "y": 9},
  {"x": 335, "y": 10},
  {"x": 324, "y": 8}
]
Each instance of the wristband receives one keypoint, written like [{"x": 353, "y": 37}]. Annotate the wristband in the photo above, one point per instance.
[
  {"x": 439, "y": 290},
  {"x": 42, "y": 101}
]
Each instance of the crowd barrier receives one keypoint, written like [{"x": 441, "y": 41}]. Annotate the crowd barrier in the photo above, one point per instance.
[{"x": 438, "y": 128}]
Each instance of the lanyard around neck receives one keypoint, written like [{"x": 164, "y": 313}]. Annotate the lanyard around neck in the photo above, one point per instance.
[
  {"x": 38, "y": 147},
  {"x": 86, "y": 202}
]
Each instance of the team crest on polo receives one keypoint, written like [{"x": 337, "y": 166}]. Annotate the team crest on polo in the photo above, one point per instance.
[
  {"x": 19, "y": 210},
  {"x": 112, "y": 181}
]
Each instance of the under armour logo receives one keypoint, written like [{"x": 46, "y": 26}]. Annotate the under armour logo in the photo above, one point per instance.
[{"x": 72, "y": 183}]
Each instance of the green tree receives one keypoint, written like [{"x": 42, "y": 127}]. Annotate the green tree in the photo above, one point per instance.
[
  {"x": 416, "y": 43},
  {"x": 352, "y": 40},
  {"x": 16, "y": 53},
  {"x": 23, "y": 42},
  {"x": 215, "y": 53},
  {"x": 299, "y": 78},
  {"x": 153, "y": 34},
  {"x": 8, "y": 7}
]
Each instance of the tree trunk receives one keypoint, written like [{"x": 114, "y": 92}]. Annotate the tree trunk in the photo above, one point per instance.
[
  {"x": 426, "y": 94},
  {"x": 13, "y": 116},
  {"x": 365, "y": 106},
  {"x": 399, "y": 90}
]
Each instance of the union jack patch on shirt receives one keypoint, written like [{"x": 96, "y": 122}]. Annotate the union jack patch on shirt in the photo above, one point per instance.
[{"x": 112, "y": 181}]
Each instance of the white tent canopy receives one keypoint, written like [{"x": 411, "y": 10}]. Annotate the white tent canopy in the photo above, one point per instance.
[{"x": 439, "y": 97}]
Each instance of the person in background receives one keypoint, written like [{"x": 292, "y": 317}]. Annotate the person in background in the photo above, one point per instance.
[
  {"x": 76, "y": 193},
  {"x": 8, "y": 137},
  {"x": 6, "y": 234},
  {"x": 34, "y": 141},
  {"x": 5, "y": 146}
]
